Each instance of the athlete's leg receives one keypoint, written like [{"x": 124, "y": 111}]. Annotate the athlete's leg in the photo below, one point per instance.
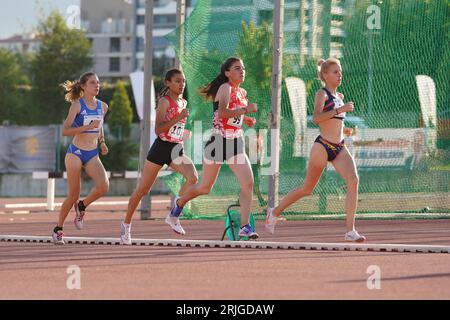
[
  {"x": 240, "y": 165},
  {"x": 95, "y": 170},
  {"x": 317, "y": 163},
  {"x": 185, "y": 166},
  {"x": 345, "y": 166},
  {"x": 73, "y": 169},
  {"x": 209, "y": 176},
  {"x": 149, "y": 175}
]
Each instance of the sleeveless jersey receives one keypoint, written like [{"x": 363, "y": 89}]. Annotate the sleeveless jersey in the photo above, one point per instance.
[
  {"x": 230, "y": 128},
  {"x": 86, "y": 116},
  {"x": 175, "y": 133},
  {"x": 333, "y": 103}
]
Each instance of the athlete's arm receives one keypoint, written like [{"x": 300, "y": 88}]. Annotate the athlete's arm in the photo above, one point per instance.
[
  {"x": 319, "y": 102},
  {"x": 101, "y": 137}
]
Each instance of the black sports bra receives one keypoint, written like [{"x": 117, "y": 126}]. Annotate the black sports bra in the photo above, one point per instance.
[{"x": 331, "y": 103}]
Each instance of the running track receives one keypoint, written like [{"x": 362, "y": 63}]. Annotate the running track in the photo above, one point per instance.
[{"x": 39, "y": 271}]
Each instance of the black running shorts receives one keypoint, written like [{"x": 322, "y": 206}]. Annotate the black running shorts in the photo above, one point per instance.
[
  {"x": 164, "y": 152},
  {"x": 219, "y": 149}
]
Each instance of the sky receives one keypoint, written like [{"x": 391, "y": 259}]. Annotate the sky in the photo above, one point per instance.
[{"x": 18, "y": 16}]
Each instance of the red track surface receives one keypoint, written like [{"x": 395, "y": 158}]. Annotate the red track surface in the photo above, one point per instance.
[{"x": 39, "y": 271}]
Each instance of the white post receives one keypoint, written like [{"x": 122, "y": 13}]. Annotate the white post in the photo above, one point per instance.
[
  {"x": 181, "y": 16},
  {"x": 50, "y": 194},
  {"x": 277, "y": 56},
  {"x": 146, "y": 202}
]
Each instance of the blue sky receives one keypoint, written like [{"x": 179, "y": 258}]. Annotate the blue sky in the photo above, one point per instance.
[{"x": 17, "y": 16}]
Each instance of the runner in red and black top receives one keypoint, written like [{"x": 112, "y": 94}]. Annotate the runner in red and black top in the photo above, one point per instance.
[
  {"x": 171, "y": 114},
  {"x": 230, "y": 104},
  {"x": 329, "y": 113}
]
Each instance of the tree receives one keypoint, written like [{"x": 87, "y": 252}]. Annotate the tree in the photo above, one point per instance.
[
  {"x": 9, "y": 79},
  {"x": 381, "y": 64},
  {"x": 255, "y": 48},
  {"x": 120, "y": 112},
  {"x": 63, "y": 55}
]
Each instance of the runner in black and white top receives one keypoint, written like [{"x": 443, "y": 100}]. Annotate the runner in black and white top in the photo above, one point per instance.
[{"x": 329, "y": 113}]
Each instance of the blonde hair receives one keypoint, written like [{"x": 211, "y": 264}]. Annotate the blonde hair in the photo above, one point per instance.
[
  {"x": 73, "y": 88},
  {"x": 324, "y": 65}
]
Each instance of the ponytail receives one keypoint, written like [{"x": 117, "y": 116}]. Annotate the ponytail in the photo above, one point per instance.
[
  {"x": 73, "y": 89},
  {"x": 210, "y": 90}
]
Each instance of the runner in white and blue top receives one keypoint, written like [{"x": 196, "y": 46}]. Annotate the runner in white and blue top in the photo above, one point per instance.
[
  {"x": 84, "y": 122},
  {"x": 85, "y": 118}
]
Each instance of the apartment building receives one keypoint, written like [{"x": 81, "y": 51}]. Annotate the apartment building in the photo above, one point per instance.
[
  {"x": 24, "y": 43},
  {"x": 307, "y": 23},
  {"x": 164, "y": 21},
  {"x": 110, "y": 26},
  {"x": 116, "y": 29}
]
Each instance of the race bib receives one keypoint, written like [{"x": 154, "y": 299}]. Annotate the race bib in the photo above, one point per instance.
[
  {"x": 176, "y": 131},
  {"x": 338, "y": 103},
  {"x": 236, "y": 121},
  {"x": 89, "y": 118}
]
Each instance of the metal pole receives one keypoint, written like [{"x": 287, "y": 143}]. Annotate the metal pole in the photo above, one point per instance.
[
  {"x": 133, "y": 34},
  {"x": 145, "y": 129},
  {"x": 181, "y": 16},
  {"x": 277, "y": 58}
]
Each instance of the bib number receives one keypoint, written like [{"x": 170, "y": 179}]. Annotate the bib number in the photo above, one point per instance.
[
  {"x": 236, "y": 121},
  {"x": 338, "y": 103},
  {"x": 176, "y": 131},
  {"x": 90, "y": 118}
]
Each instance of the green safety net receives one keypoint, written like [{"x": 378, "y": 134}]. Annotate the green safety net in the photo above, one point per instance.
[{"x": 400, "y": 125}]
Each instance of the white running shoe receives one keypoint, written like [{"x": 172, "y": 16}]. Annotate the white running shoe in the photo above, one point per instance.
[
  {"x": 125, "y": 234},
  {"x": 79, "y": 216},
  {"x": 58, "y": 237},
  {"x": 174, "y": 223},
  {"x": 271, "y": 221},
  {"x": 354, "y": 236}
]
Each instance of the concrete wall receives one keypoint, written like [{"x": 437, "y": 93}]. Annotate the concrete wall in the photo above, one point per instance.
[{"x": 23, "y": 185}]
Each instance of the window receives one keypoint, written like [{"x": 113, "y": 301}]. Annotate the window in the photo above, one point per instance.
[
  {"x": 140, "y": 44},
  {"x": 165, "y": 20},
  {"x": 114, "y": 45},
  {"x": 230, "y": 3},
  {"x": 114, "y": 64},
  {"x": 160, "y": 43}
]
